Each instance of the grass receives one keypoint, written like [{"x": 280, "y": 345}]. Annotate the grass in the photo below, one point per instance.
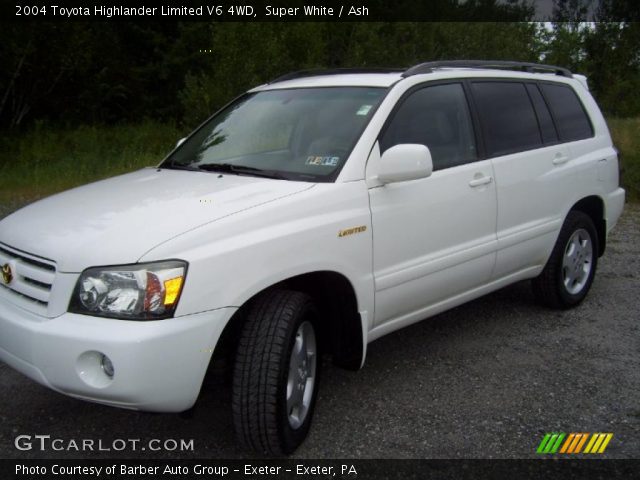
[
  {"x": 626, "y": 137},
  {"x": 45, "y": 160}
]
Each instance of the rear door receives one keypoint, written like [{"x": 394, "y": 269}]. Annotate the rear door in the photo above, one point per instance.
[{"x": 532, "y": 170}]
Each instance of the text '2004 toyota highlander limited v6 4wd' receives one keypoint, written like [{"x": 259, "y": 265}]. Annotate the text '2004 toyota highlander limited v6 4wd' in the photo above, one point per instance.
[{"x": 313, "y": 214}]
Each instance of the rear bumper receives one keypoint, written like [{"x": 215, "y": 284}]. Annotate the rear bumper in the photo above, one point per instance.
[
  {"x": 613, "y": 208},
  {"x": 158, "y": 365}
]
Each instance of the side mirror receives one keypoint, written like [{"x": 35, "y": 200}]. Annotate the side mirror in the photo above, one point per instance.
[
  {"x": 408, "y": 161},
  {"x": 180, "y": 142}
]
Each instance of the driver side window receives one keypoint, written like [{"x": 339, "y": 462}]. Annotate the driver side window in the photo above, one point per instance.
[{"x": 438, "y": 117}]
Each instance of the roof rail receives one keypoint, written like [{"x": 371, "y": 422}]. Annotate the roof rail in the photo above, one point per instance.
[
  {"x": 333, "y": 71},
  {"x": 429, "y": 67}
]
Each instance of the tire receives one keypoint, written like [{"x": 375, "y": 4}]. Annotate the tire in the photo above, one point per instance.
[
  {"x": 276, "y": 373},
  {"x": 568, "y": 275}
]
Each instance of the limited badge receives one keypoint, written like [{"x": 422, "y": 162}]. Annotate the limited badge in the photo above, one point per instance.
[{"x": 352, "y": 231}]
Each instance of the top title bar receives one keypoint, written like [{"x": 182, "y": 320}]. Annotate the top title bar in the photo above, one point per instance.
[{"x": 329, "y": 10}]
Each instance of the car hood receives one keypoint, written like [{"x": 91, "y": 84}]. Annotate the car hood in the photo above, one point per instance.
[{"x": 116, "y": 221}]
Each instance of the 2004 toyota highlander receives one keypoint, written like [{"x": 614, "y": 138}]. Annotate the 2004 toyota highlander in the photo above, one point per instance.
[{"x": 311, "y": 215}]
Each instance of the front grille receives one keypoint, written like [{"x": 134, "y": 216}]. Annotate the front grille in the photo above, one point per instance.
[{"x": 33, "y": 276}]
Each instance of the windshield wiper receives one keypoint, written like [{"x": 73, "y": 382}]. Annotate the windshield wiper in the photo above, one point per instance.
[
  {"x": 241, "y": 170},
  {"x": 177, "y": 166}
]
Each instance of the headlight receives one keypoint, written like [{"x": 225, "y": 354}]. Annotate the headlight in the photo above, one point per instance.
[{"x": 134, "y": 292}]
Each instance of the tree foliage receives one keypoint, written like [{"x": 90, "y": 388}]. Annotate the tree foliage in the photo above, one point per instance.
[{"x": 101, "y": 73}]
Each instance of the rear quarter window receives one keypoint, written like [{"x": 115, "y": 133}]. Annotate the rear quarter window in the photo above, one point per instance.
[
  {"x": 548, "y": 130},
  {"x": 568, "y": 112}
]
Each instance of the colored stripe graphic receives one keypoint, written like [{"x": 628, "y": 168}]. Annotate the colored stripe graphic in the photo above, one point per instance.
[
  {"x": 556, "y": 445},
  {"x": 574, "y": 443},
  {"x": 550, "y": 443},
  {"x": 593, "y": 444},
  {"x": 598, "y": 443},
  {"x": 553, "y": 443},
  {"x": 594, "y": 437},
  {"x": 568, "y": 444},
  {"x": 605, "y": 443},
  {"x": 581, "y": 443},
  {"x": 543, "y": 443}
]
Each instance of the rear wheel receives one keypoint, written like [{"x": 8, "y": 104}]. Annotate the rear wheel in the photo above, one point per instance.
[
  {"x": 276, "y": 373},
  {"x": 568, "y": 275}
]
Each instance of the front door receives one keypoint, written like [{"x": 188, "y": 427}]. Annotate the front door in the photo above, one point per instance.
[{"x": 433, "y": 238}]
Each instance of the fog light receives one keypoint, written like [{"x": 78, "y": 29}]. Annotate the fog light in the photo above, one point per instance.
[{"x": 107, "y": 366}]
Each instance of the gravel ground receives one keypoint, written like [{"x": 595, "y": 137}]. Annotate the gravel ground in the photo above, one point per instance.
[{"x": 485, "y": 380}]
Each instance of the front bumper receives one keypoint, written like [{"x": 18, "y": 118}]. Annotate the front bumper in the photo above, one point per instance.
[{"x": 159, "y": 365}]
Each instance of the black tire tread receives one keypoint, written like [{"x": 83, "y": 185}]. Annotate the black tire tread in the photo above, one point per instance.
[{"x": 261, "y": 347}]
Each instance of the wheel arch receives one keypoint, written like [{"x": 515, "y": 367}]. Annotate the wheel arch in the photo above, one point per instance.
[
  {"x": 336, "y": 299},
  {"x": 593, "y": 206}
]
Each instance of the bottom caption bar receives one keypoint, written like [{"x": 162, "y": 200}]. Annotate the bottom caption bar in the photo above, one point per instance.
[{"x": 318, "y": 469}]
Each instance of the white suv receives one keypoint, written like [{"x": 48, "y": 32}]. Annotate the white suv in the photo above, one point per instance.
[{"x": 311, "y": 215}]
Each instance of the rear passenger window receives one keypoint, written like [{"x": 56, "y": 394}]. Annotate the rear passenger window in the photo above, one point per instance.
[
  {"x": 548, "y": 130},
  {"x": 508, "y": 120},
  {"x": 438, "y": 117},
  {"x": 568, "y": 112}
]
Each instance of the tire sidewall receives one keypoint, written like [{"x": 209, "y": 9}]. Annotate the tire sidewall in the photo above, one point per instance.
[
  {"x": 577, "y": 221},
  {"x": 291, "y": 438}
]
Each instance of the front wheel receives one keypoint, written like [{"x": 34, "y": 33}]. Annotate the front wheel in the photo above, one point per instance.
[
  {"x": 568, "y": 275},
  {"x": 276, "y": 373}
]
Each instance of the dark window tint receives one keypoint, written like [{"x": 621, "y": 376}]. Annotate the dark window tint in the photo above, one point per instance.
[
  {"x": 570, "y": 117},
  {"x": 548, "y": 130},
  {"x": 438, "y": 117},
  {"x": 508, "y": 119}
]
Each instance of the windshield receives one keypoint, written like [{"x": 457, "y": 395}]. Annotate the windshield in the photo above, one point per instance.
[{"x": 297, "y": 134}]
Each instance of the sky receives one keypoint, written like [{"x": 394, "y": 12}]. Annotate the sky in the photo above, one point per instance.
[{"x": 543, "y": 9}]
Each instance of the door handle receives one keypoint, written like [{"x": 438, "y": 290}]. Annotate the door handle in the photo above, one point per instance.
[
  {"x": 476, "y": 182},
  {"x": 560, "y": 158}
]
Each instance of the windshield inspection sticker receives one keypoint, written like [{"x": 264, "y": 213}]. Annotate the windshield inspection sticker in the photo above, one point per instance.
[
  {"x": 363, "y": 110},
  {"x": 322, "y": 161}
]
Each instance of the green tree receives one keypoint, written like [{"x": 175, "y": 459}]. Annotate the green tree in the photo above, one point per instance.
[
  {"x": 239, "y": 56},
  {"x": 613, "y": 63}
]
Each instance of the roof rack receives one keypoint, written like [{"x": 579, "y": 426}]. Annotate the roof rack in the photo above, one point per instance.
[
  {"x": 334, "y": 71},
  {"x": 429, "y": 67}
]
